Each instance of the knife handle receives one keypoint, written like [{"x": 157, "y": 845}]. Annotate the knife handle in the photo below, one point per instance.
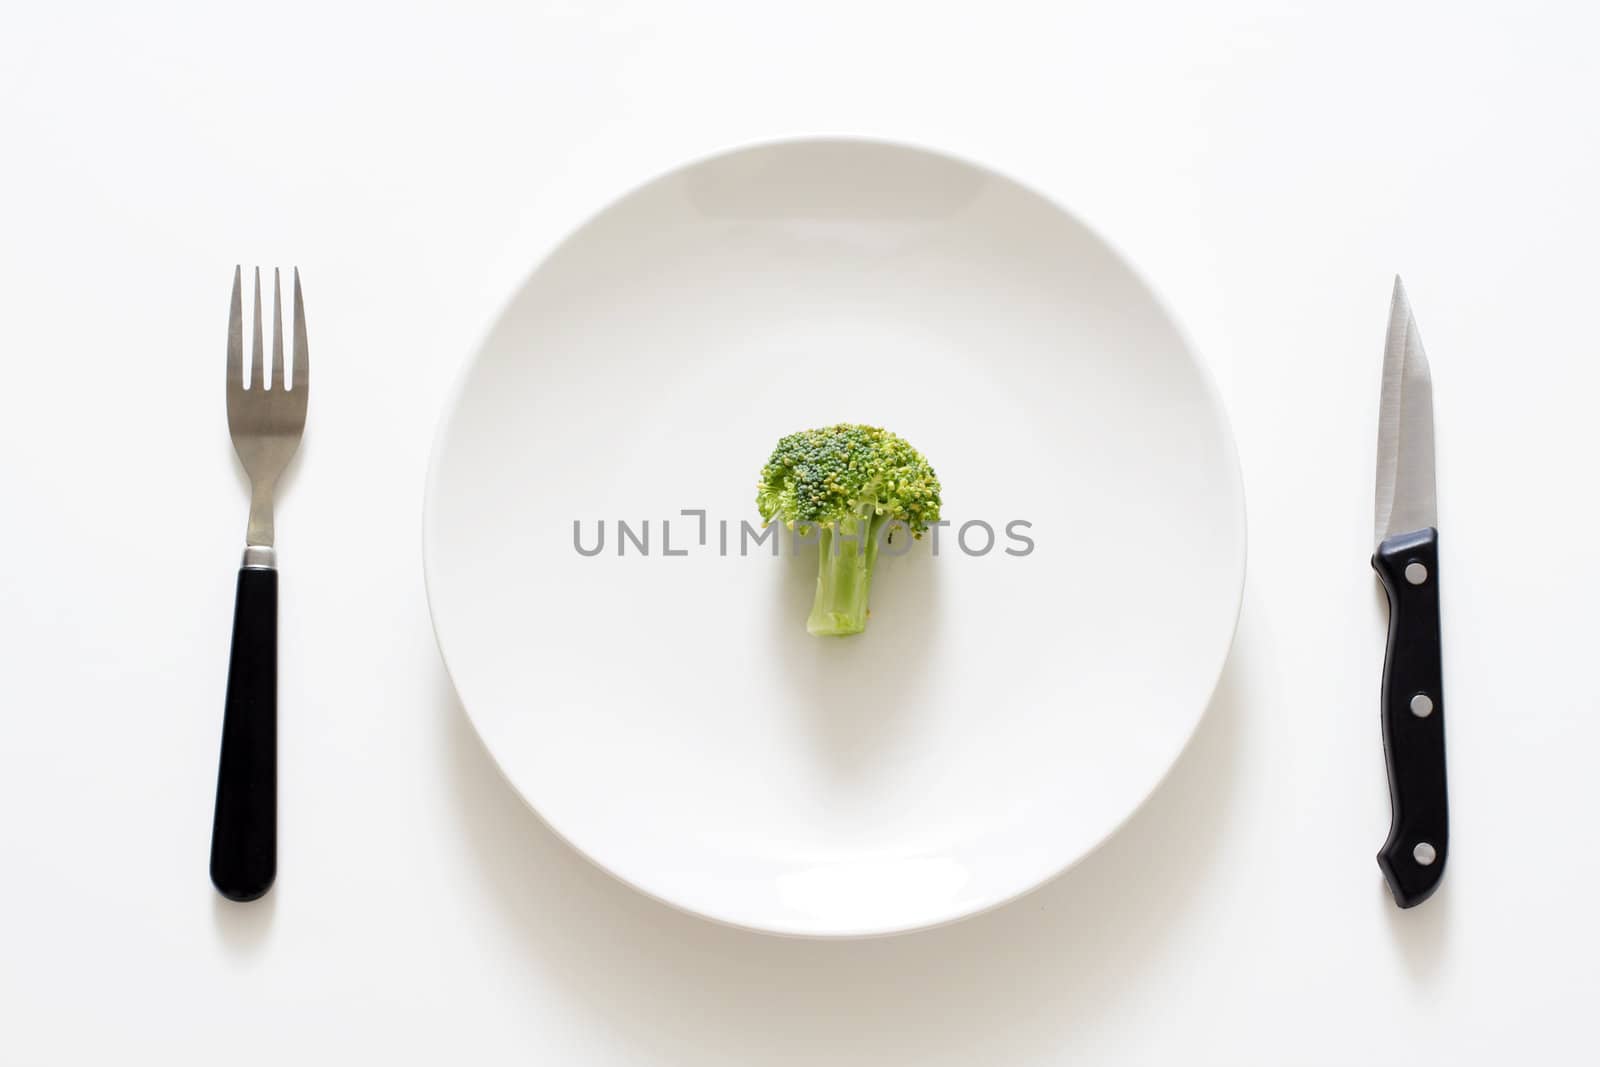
[
  {"x": 1413, "y": 858},
  {"x": 244, "y": 830}
]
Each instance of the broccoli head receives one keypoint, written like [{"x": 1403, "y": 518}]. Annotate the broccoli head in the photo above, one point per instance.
[{"x": 849, "y": 483}]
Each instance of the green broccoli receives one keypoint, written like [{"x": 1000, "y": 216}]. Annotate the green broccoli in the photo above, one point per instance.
[{"x": 848, "y": 482}]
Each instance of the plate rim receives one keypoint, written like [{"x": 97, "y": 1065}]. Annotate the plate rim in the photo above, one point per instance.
[{"x": 1209, "y": 387}]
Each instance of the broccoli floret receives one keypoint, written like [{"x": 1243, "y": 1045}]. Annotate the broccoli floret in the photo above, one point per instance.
[{"x": 848, "y": 482}]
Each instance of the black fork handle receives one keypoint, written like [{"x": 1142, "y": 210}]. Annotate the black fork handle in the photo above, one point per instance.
[{"x": 244, "y": 830}]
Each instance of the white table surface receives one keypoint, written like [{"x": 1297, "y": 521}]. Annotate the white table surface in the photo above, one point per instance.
[{"x": 1269, "y": 169}]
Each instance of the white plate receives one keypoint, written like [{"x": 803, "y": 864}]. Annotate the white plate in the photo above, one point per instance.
[{"x": 670, "y": 716}]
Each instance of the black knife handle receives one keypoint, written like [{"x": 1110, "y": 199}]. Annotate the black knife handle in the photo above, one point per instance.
[
  {"x": 1413, "y": 858},
  {"x": 244, "y": 830}
]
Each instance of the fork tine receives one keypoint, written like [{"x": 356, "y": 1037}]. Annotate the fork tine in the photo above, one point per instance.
[
  {"x": 302, "y": 356},
  {"x": 277, "y": 331},
  {"x": 257, "y": 362},
  {"x": 235, "y": 337}
]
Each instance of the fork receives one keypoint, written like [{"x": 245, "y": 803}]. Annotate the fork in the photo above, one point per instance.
[{"x": 265, "y": 424}]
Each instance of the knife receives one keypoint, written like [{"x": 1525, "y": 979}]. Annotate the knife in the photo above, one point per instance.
[{"x": 1407, "y": 562}]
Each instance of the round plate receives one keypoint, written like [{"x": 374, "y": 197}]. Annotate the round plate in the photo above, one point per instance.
[{"x": 1008, "y": 706}]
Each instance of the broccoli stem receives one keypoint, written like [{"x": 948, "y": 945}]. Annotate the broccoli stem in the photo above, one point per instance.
[{"x": 844, "y": 577}]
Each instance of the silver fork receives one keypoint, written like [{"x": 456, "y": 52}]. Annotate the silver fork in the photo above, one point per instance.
[{"x": 265, "y": 424}]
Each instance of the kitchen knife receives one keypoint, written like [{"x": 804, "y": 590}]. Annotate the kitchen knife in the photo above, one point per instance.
[{"x": 1407, "y": 562}]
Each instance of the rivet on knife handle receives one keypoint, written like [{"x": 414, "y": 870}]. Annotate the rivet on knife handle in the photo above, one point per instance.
[{"x": 1413, "y": 858}]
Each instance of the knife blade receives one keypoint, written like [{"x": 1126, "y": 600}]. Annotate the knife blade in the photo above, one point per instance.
[{"x": 1407, "y": 562}]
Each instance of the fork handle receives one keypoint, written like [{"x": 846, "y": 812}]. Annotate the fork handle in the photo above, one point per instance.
[{"x": 244, "y": 830}]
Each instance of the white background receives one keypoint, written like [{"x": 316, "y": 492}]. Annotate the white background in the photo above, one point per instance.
[{"x": 1267, "y": 168}]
